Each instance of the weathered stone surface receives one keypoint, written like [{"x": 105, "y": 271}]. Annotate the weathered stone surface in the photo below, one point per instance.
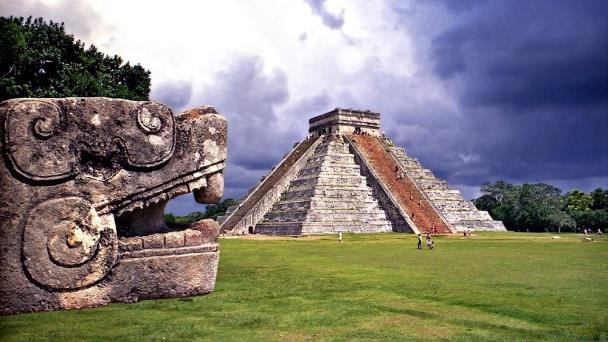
[
  {"x": 209, "y": 230},
  {"x": 84, "y": 182},
  {"x": 329, "y": 194},
  {"x": 192, "y": 238}
]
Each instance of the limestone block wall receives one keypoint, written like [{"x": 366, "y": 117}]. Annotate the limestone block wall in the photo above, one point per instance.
[
  {"x": 329, "y": 194},
  {"x": 259, "y": 209},
  {"x": 344, "y": 121}
]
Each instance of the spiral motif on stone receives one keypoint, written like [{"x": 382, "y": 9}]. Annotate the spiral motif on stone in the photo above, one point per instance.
[
  {"x": 35, "y": 141},
  {"x": 67, "y": 245}
]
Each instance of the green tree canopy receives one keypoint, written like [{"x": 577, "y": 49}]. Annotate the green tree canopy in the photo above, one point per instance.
[
  {"x": 577, "y": 200},
  {"x": 212, "y": 212},
  {"x": 39, "y": 59},
  {"x": 537, "y": 207},
  {"x": 600, "y": 199}
]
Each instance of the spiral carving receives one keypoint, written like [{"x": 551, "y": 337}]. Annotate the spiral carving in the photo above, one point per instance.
[
  {"x": 147, "y": 122},
  {"x": 43, "y": 128},
  {"x": 67, "y": 245},
  {"x": 157, "y": 143},
  {"x": 53, "y": 140},
  {"x": 37, "y": 145}
]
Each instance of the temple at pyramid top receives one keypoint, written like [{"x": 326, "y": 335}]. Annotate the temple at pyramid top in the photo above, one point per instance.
[
  {"x": 348, "y": 177},
  {"x": 345, "y": 121}
]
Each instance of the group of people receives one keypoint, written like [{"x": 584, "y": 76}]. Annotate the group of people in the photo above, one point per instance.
[
  {"x": 430, "y": 244},
  {"x": 589, "y": 231},
  {"x": 400, "y": 175},
  {"x": 358, "y": 131}
]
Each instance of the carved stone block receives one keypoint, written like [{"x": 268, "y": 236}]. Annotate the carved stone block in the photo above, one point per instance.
[{"x": 83, "y": 186}]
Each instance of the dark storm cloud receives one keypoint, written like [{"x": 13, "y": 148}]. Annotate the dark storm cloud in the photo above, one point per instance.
[
  {"x": 247, "y": 95},
  {"x": 529, "y": 53},
  {"x": 532, "y": 82},
  {"x": 175, "y": 94},
  {"x": 79, "y": 18},
  {"x": 462, "y": 5},
  {"x": 330, "y": 20}
]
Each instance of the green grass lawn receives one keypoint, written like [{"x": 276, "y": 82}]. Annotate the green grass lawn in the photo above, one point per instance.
[{"x": 493, "y": 286}]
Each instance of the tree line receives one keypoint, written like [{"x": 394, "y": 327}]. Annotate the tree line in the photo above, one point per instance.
[
  {"x": 39, "y": 59},
  {"x": 542, "y": 207},
  {"x": 211, "y": 212}
]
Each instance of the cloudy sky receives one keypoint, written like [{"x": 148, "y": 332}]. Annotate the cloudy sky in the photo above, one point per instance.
[{"x": 477, "y": 90}]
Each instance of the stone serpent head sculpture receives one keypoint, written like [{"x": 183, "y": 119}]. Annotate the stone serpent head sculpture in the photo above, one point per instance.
[{"x": 83, "y": 186}]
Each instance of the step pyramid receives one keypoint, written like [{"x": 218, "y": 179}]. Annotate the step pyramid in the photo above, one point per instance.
[
  {"x": 329, "y": 194},
  {"x": 461, "y": 214},
  {"x": 347, "y": 176}
]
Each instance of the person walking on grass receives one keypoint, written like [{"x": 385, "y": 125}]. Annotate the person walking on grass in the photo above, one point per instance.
[
  {"x": 340, "y": 236},
  {"x": 419, "y": 241}
]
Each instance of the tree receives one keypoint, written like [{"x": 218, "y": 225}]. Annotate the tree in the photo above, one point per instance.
[
  {"x": 486, "y": 202},
  {"x": 169, "y": 218},
  {"x": 39, "y": 59},
  {"x": 500, "y": 200},
  {"x": 560, "y": 220},
  {"x": 537, "y": 207},
  {"x": 593, "y": 219},
  {"x": 577, "y": 200},
  {"x": 599, "y": 198},
  {"x": 212, "y": 212},
  {"x": 500, "y": 190}
]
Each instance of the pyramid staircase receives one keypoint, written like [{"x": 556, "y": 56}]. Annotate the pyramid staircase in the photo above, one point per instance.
[
  {"x": 460, "y": 213},
  {"x": 259, "y": 200},
  {"x": 329, "y": 194},
  {"x": 418, "y": 207}
]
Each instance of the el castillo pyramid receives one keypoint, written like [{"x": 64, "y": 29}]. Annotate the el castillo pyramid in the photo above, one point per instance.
[{"x": 347, "y": 176}]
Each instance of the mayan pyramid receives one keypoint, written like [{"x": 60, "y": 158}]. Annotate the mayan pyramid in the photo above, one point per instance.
[{"x": 347, "y": 176}]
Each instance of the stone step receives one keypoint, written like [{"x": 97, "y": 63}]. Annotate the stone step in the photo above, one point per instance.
[
  {"x": 318, "y": 228},
  {"x": 458, "y": 211},
  {"x": 249, "y": 204},
  {"x": 336, "y": 169},
  {"x": 322, "y": 182},
  {"x": 328, "y": 191},
  {"x": 322, "y": 202},
  {"x": 369, "y": 208},
  {"x": 465, "y": 215},
  {"x": 338, "y": 194},
  {"x": 346, "y": 159},
  {"x": 453, "y": 205},
  {"x": 327, "y": 216}
]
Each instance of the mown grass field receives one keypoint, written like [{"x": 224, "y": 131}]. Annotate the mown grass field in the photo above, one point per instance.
[{"x": 493, "y": 286}]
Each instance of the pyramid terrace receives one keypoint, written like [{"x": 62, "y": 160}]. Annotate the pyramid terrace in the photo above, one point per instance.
[{"x": 347, "y": 176}]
